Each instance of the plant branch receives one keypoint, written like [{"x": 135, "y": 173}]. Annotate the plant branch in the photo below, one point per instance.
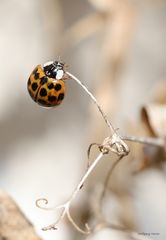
[
  {"x": 109, "y": 174},
  {"x": 66, "y": 205},
  {"x": 95, "y": 101},
  {"x": 120, "y": 147},
  {"x": 159, "y": 142}
]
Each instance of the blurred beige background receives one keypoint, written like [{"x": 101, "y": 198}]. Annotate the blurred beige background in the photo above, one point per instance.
[{"x": 120, "y": 58}]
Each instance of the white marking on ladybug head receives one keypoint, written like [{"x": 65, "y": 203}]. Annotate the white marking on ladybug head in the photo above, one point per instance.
[
  {"x": 59, "y": 74},
  {"x": 48, "y": 63}
]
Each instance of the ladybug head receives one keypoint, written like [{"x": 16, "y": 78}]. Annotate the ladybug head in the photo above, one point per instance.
[{"x": 54, "y": 69}]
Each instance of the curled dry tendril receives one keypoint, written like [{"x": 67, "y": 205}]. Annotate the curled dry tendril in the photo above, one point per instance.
[{"x": 65, "y": 211}]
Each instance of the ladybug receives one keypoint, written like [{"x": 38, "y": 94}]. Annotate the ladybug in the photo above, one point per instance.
[{"x": 46, "y": 84}]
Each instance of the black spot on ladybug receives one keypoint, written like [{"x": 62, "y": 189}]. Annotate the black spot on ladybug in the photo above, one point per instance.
[
  {"x": 61, "y": 96},
  {"x": 43, "y": 103},
  {"x": 36, "y": 75},
  {"x": 58, "y": 87},
  {"x": 43, "y": 80},
  {"x": 51, "y": 98},
  {"x": 50, "y": 85},
  {"x": 43, "y": 92},
  {"x": 29, "y": 82},
  {"x": 34, "y": 86}
]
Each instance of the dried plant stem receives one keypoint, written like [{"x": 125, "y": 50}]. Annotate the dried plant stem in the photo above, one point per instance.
[
  {"x": 120, "y": 147},
  {"x": 66, "y": 206},
  {"x": 106, "y": 182},
  {"x": 95, "y": 101},
  {"x": 90, "y": 169},
  {"x": 158, "y": 142}
]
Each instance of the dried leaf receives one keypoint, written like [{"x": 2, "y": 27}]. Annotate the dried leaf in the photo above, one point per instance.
[{"x": 154, "y": 117}]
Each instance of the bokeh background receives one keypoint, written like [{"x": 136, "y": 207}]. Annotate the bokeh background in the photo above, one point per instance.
[{"x": 117, "y": 49}]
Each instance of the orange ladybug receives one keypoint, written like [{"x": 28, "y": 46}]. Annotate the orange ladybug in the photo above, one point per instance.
[{"x": 46, "y": 84}]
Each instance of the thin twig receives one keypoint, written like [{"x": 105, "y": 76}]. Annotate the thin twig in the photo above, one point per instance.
[
  {"x": 76, "y": 226},
  {"x": 90, "y": 169},
  {"x": 109, "y": 174},
  {"x": 109, "y": 124},
  {"x": 120, "y": 146},
  {"x": 89, "y": 150},
  {"x": 159, "y": 142}
]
